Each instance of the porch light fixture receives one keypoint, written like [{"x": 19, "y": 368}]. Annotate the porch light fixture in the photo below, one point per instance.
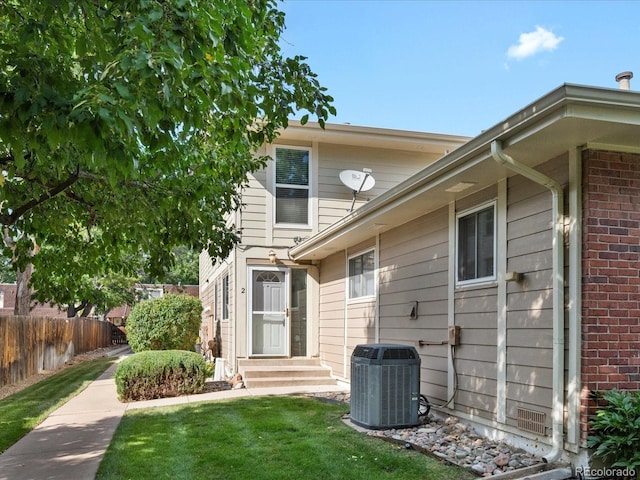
[{"x": 272, "y": 256}]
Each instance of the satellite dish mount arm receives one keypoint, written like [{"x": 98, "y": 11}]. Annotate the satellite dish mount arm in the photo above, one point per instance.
[{"x": 367, "y": 172}]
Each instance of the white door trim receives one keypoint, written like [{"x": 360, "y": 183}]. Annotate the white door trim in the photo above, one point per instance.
[{"x": 287, "y": 326}]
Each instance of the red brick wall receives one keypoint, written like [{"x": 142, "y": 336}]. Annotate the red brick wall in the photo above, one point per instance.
[{"x": 610, "y": 276}]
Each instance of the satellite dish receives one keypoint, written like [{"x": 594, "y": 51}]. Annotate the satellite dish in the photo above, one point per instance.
[{"x": 357, "y": 182}]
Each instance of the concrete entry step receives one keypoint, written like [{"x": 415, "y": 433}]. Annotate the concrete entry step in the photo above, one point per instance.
[
  {"x": 288, "y": 382},
  {"x": 285, "y": 372},
  {"x": 275, "y": 362}
]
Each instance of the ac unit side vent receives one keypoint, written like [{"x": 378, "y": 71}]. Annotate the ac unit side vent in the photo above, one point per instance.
[
  {"x": 532, "y": 421},
  {"x": 399, "y": 354},
  {"x": 364, "y": 351}
]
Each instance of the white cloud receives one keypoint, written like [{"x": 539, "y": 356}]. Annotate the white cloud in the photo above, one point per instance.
[{"x": 534, "y": 42}]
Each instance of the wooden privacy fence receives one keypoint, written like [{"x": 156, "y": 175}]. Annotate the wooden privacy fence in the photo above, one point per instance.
[{"x": 29, "y": 345}]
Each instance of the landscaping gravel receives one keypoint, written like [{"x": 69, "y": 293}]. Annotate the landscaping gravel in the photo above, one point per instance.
[{"x": 454, "y": 441}]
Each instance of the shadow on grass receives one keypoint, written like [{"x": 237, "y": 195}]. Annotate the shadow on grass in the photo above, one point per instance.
[
  {"x": 264, "y": 438},
  {"x": 60, "y": 447}
]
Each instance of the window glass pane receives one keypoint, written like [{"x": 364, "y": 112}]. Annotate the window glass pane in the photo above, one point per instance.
[
  {"x": 292, "y": 167},
  {"x": 476, "y": 245},
  {"x": 355, "y": 268},
  {"x": 485, "y": 243},
  {"x": 292, "y": 205},
  {"x": 225, "y": 297},
  {"x": 362, "y": 275},
  {"x": 466, "y": 247}
]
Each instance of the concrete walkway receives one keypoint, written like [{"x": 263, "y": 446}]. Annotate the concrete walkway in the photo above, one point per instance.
[{"x": 71, "y": 442}]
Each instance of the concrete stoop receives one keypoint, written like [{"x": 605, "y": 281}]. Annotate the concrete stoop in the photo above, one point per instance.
[{"x": 284, "y": 372}]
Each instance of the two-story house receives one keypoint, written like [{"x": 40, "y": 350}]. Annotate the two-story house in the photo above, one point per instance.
[
  {"x": 512, "y": 264},
  {"x": 259, "y": 302}
]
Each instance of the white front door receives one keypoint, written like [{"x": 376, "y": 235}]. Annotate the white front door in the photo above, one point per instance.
[{"x": 269, "y": 319}]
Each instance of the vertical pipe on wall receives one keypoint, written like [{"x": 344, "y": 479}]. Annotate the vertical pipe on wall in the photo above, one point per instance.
[
  {"x": 346, "y": 314},
  {"x": 377, "y": 290},
  {"x": 558, "y": 291},
  {"x": 451, "y": 302},
  {"x": 501, "y": 346},
  {"x": 575, "y": 294}
]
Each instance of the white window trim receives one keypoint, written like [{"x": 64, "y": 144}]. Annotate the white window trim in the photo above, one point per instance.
[
  {"x": 483, "y": 280},
  {"x": 310, "y": 188},
  {"x": 365, "y": 298}
]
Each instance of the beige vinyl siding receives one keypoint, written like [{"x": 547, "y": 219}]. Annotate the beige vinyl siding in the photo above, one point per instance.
[
  {"x": 226, "y": 325},
  {"x": 361, "y": 313},
  {"x": 331, "y": 313},
  {"x": 529, "y": 303},
  {"x": 206, "y": 293},
  {"x": 414, "y": 267},
  {"x": 360, "y": 326},
  {"x": 475, "y": 312},
  {"x": 389, "y": 167},
  {"x": 475, "y": 358},
  {"x": 212, "y": 318},
  {"x": 254, "y": 212}
]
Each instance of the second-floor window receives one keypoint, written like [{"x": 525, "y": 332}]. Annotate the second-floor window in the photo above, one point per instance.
[{"x": 292, "y": 186}]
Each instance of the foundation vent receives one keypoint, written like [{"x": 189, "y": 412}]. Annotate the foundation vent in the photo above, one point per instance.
[{"x": 532, "y": 421}]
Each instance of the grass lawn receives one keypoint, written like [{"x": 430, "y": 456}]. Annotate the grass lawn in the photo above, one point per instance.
[
  {"x": 262, "y": 438},
  {"x": 22, "y": 411}
]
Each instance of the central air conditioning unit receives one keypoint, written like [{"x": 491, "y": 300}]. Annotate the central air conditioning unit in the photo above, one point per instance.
[{"x": 385, "y": 386}]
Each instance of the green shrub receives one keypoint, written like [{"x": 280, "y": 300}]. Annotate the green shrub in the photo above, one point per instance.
[
  {"x": 171, "y": 322},
  {"x": 616, "y": 430},
  {"x": 160, "y": 373}
]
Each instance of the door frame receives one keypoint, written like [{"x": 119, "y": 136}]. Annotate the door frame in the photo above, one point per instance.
[{"x": 287, "y": 317}]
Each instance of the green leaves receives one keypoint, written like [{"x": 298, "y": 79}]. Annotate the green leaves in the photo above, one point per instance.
[
  {"x": 616, "y": 429},
  {"x": 153, "y": 106}
]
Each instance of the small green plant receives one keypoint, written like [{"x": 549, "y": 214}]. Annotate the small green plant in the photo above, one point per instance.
[
  {"x": 616, "y": 430},
  {"x": 160, "y": 373},
  {"x": 170, "y": 322}
]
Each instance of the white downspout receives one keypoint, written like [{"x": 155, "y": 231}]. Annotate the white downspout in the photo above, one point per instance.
[{"x": 558, "y": 291}]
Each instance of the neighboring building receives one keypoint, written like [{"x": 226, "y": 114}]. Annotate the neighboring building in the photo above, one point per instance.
[
  {"x": 8, "y": 302},
  {"x": 117, "y": 315},
  {"x": 260, "y": 303},
  {"x": 145, "y": 291},
  {"x": 512, "y": 264}
]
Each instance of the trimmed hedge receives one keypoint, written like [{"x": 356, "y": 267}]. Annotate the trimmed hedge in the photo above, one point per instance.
[
  {"x": 171, "y": 322},
  {"x": 160, "y": 373}
]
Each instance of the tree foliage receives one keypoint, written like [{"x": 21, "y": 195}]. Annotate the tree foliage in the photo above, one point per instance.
[
  {"x": 7, "y": 272},
  {"x": 165, "y": 323},
  {"x": 128, "y": 126},
  {"x": 183, "y": 269}
]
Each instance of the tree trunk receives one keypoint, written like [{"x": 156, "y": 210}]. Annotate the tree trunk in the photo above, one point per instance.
[
  {"x": 83, "y": 309},
  {"x": 23, "y": 291},
  {"x": 23, "y": 277},
  {"x": 88, "y": 306}
]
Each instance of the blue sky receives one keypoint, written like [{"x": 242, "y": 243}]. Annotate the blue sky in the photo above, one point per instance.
[{"x": 457, "y": 67}]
